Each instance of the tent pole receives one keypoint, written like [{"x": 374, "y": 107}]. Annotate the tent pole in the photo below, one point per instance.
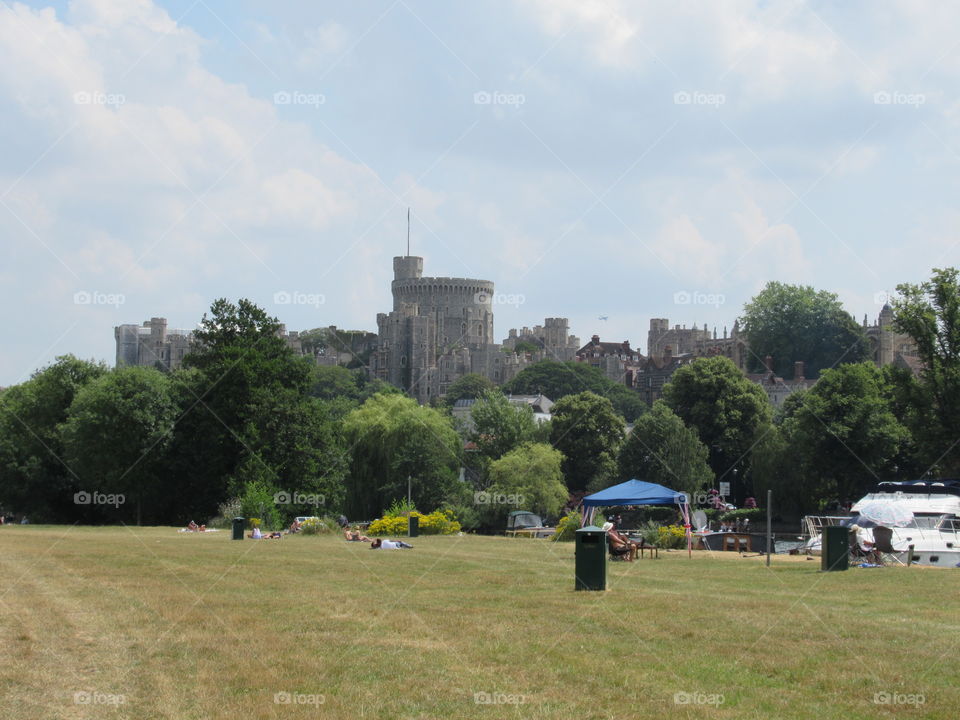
[{"x": 769, "y": 516}]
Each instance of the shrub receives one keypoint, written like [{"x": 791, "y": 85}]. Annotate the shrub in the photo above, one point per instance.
[
  {"x": 751, "y": 514},
  {"x": 439, "y": 522},
  {"x": 650, "y": 532},
  {"x": 227, "y": 511},
  {"x": 672, "y": 537},
  {"x": 400, "y": 508},
  {"x": 567, "y": 527},
  {"x": 253, "y": 523},
  {"x": 319, "y": 526}
]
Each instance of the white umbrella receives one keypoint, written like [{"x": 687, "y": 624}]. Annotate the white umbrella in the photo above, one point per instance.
[{"x": 886, "y": 514}]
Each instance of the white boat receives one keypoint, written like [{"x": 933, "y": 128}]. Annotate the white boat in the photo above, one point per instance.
[{"x": 933, "y": 533}]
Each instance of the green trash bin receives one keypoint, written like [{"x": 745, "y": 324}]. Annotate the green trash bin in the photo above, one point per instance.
[
  {"x": 238, "y": 523},
  {"x": 590, "y": 554},
  {"x": 413, "y": 526},
  {"x": 834, "y": 548}
]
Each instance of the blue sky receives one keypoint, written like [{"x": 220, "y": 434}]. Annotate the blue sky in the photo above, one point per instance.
[{"x": 591, "y": 157}]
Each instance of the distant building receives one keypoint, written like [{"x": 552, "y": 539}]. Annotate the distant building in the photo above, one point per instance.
[
  {"x": 540, "y": 404},
  {"x": 552, "y": 340},
  {"x": 441, "y": 328},
  {"x": 655, "y": 371},
  {"x": 777, "y": 388},
  {"x": 152, "y": 344},
  {"x": 886, "y": 344},
  {"x": 618, "y": 361}
]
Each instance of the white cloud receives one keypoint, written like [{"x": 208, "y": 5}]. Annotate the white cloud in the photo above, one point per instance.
[{"x": 164, "y": 182}]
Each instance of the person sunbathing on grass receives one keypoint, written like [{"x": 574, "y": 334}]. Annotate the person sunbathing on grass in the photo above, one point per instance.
[
  {"x": 380, "y": 544},
  {"x": 355, "y": 536},
  {"x": 192, "y": 526}
]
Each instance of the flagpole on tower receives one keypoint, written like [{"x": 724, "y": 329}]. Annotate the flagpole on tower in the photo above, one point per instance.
[{"x": 408, "y": 232}]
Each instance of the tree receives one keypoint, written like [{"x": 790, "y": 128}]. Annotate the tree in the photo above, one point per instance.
[
  {"x": 794, "y": 322},
  {"x": 846, "y": 431},
  {"x": 343, "y": 389},
  {"x": 392, "y": 438},
  {"x": 239, "y": 359},
  {"x": 292, "y": 443},
  {"x": 930, "y": 314},
  {"x": 661, "y": 449},
  {"x": 115, "y": 439},
  {"x": 471, "y": 385},
  {"x": 499, "y": 425},
  {"x": 530, "y": 474},
  {"x": 556, "y": 380},
  {"x": 587, "y": 430},
  {"x": 728, "y": 411},
  {"x": 34, "y": 478}
]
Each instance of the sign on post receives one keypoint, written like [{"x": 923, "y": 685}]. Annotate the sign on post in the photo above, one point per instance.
[{"x": 725, "y": 489}]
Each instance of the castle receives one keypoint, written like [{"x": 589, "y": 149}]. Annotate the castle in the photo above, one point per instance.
[
  {"x": 441, "y": 329},
  {"x": 153, "y": 345}
]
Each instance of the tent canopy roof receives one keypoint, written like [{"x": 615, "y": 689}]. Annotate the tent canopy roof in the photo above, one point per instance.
[{"x": 635, "y": 492}]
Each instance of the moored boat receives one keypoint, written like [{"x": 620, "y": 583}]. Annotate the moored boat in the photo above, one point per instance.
[{"x": 932, "y": 534}]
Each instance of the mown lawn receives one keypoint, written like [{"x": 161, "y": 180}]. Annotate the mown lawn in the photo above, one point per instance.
[{"x": 151, "y": 623}]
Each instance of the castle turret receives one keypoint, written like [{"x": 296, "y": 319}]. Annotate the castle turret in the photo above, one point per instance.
[{"x": 407, "y": 267}]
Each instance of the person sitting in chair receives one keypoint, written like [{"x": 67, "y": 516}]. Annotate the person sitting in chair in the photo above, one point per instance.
[
  {"x": 619, "y": 545},
  {"x": 862, "y": 545}
]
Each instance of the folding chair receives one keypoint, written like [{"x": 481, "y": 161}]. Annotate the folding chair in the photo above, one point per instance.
[{"x": 882, "y": 541}]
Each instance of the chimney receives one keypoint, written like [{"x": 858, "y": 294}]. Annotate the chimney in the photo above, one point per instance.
[
  {"x": 798, "y": 370},
  {"x": 768, "y": 361},
  {"x": 626, "y": 346},
  {"x": 595, "y": 340}
]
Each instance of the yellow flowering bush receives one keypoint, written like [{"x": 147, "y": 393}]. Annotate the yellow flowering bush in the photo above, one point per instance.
[
  {"x": 439, "y": 522},
  {"x": 672, "y": 536},
  {"x": 567, "y": 528}
]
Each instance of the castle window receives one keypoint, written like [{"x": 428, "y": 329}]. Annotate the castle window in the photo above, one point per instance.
[{"x": 403, "y": 361}]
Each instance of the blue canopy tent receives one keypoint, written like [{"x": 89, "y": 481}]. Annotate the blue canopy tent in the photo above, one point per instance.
[{"x": 638, "y": 492}]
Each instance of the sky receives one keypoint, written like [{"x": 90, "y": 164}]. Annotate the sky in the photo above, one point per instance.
[{"x": 616, "y": 159}]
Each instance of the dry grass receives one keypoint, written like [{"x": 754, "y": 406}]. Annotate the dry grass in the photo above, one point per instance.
[{"x": 194, "y": 626}]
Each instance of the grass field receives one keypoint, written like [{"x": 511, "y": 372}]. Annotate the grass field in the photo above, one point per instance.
[{"x": 151, "y": 623}]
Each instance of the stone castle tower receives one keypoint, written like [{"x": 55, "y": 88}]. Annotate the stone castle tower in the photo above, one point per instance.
[{"x": 432, "y": 317}]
